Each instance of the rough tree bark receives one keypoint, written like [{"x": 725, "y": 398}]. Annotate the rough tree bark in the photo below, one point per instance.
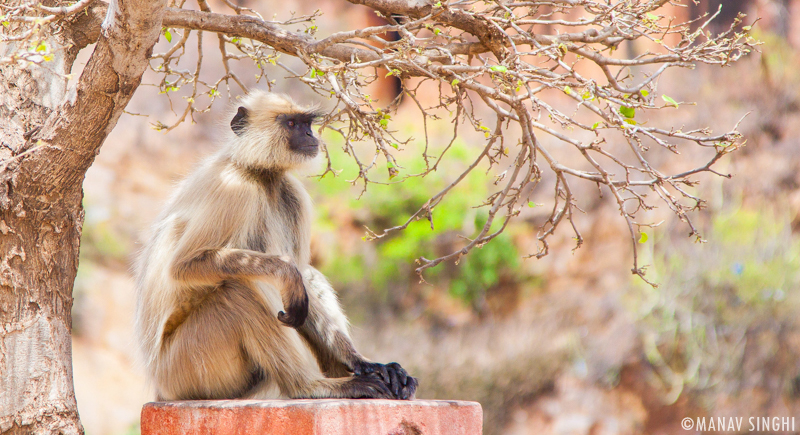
[{"x": 50, "y": 137}]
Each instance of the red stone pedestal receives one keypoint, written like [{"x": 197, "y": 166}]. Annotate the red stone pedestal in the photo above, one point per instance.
[{"x": 313, "y": 417}]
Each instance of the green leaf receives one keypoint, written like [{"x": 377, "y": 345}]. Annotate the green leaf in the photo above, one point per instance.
[
  {"x": 390, "y": 165},
  {"x": 167, "y": 34},
  {"x": 437, "y": 31},
  {"x": 384, "y": 122},
  {"x": 643, "y": 237},
  {"x": 170, "y": 89},
  {"x": 5, "y": 23},
  {"x": 455, "y": 82},
  {"x": 644, "y": 92},
  {"x": 669, "y": 100},
  {"x": 499, "y": 68},
  {"x": 236, "y": 40},
  {"x": 651, "y": 16},
  {"x": 394, "y": 145},
  {"x": 628, "y": 112},
  {"x": 42, "y": 47},
  {"x": 437, "y": 4},
  {"x": 596, "y": 124},
  {"x": 630, "y": 121},
  {"x": 567, "y": 90}
]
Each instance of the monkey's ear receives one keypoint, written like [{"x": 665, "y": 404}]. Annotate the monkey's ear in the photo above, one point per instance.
[{"x": 239, "y": 122}]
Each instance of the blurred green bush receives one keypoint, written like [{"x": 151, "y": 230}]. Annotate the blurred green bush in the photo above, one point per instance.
[{"x": 388, "y": 264}]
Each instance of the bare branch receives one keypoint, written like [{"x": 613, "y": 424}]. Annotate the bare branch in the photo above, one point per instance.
[{"x": 508, "y": 60}]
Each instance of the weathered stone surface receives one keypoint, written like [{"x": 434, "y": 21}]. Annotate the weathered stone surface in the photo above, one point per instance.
[{"x": 312, "y": 417}]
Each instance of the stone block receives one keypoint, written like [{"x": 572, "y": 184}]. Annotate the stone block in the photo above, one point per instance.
[{"x": 313, "y": 417}]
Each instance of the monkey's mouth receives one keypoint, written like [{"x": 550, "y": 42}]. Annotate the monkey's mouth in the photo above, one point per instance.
[{"x": 308, "y": 150}]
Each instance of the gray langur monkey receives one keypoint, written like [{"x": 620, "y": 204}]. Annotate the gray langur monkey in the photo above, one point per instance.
[{"x": 227, "y": 303}]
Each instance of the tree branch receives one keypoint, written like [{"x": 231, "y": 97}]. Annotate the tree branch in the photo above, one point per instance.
[{"x": 245, "y": 26}]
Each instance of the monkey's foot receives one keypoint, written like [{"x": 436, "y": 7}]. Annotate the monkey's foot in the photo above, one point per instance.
[
  {"x": 393, "y": 375},
  {"x": 367, "y": 387}
]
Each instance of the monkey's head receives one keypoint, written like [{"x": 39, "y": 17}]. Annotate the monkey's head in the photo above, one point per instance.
[{"x": 272, "y": 131}]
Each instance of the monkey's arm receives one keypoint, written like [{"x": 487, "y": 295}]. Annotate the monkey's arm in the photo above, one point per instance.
[
  {"x": 326, "y": 330},
  {"x": 211, "y": 266}
]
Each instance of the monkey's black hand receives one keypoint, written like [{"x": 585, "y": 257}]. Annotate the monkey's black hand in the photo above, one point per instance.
[
  {"x": 296, "y": 310},
  {"x": 393, "y": 375}
]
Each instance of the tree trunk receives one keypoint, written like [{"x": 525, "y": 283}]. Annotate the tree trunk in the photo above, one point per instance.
[
  {"x": 50, "y": 137},
  {"x": 39, "y": 240}
]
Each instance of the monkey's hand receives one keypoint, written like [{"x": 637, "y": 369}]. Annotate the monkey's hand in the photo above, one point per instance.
[
  {"x": 393, "y": 375},
  {"x": 296, "y": 306}
]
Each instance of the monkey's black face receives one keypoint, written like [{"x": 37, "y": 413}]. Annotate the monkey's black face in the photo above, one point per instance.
[
  {"x": 296, "y": 126},
  {"x": 298, "y": 130}
]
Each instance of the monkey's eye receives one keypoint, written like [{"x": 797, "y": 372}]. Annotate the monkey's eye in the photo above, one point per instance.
[{"x": 291, "y": 123}]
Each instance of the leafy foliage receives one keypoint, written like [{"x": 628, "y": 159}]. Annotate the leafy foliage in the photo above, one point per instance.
[{"x": 387, "y": 205}]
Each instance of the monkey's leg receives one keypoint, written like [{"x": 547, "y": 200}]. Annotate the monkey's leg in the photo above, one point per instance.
[
  {"x": 288, "y": 367},
  {"x": 201, "y": 355},
  {"x": 232, "y": 346},
  {"x": 211, "y": 266},
  {"x": 326, "y": 330}
]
